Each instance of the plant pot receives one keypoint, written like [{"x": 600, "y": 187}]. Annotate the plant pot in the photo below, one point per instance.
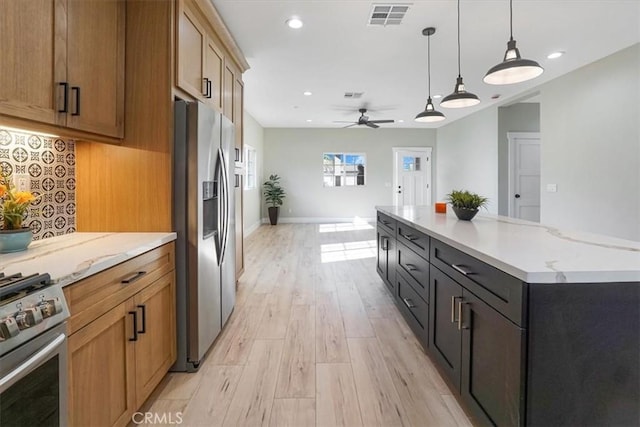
[
  {"x": 15, "y": 240},
  {"x": 273, "y": 214},
  {"x": 465, "y": 214}
]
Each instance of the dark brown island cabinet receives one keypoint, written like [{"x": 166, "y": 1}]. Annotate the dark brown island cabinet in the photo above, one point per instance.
[{"x": 514, "y": 353}]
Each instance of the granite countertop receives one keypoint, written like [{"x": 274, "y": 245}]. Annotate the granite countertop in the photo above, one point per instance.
[
  {"x": 530, "y": 251},
  {"x": 74, "y": 256}
]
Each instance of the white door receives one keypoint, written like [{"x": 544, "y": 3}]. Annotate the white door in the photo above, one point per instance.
[
  {"x": 412, "y": 176},
  {"x": 524, "y": 180}
]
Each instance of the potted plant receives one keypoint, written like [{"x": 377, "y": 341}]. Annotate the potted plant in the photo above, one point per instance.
[
  {"x": 13, "y": 207},
  {"x": 273, "y": 195},
  {"x": 466, "y": 204}
]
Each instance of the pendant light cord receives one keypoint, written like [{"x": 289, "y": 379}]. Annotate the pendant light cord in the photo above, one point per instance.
[
  {"x": 511, "y": 20},
  {"x": 459, "y": 73},
  {"x": 429, "y": 65}
]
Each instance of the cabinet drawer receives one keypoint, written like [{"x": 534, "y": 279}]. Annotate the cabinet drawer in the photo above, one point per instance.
[
  {"x": 91, "y": 297},
  {"x": 415, "y": 269},
  {"x": 387, "y": 222},
  {"x": 500, "y": 290},
  {"x": 413, "y": 308},
  {"x": 413, "y": 239}
]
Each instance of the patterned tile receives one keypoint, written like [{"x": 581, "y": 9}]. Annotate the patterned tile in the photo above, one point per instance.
[{"x": 50, "y": 164}]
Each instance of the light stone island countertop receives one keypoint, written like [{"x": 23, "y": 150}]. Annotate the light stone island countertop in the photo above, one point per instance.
[
  {"x": 530, "y": 251},
  {"x": 74, "y": 256}
]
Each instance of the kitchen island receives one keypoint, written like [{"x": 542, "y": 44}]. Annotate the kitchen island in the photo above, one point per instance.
[{"x": 529, "y": 324}]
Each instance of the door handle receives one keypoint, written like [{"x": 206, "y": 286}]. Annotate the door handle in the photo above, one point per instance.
[
  {"x": 461, "y": 324},
  {"x": 453, "y": 308},
  {"x": 65, "y": 98},
  {"x": 384, "y": 243},
  {"x": 135, "y": 325},
  {"x": 209, "y": 88},
  {"x": 76, "y": 89},
  {"x": 136, "y": 276},
  {"x": 517, "y": 196},
  {"x": 459, "y": 269},
  {"x": 408, "y": 303},
  {"x": 206, "y": 88},
  {"x": 144, "y": 319}
]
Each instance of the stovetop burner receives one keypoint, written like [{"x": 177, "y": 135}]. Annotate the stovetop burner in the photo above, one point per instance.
[{"x": 17, "y": 286}]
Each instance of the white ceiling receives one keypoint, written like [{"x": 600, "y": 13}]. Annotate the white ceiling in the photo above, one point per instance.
[{"x": 336, "y": 51}]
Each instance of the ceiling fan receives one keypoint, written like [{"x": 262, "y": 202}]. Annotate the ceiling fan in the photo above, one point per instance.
[{"x": 364, "y": 120}]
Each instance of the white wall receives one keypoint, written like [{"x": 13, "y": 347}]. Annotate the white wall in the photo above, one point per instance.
[
  {"x": 253, "y": 136},
  {"x": 591, "y": 147},
  {"x": 296, "y": 155},
  {"x": 468, "y": 156}
]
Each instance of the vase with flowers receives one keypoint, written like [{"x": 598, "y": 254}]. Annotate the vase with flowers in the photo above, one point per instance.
[{"x": 14, "y": 236}]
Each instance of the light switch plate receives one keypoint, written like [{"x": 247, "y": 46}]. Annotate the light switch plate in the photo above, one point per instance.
[
  {"x": 552, "y": 188},
  {"x": 21, "y": 181}
]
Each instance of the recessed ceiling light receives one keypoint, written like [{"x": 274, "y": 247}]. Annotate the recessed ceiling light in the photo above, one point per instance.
[
  {"x": 555, "y": 55},
  {"x": 294, "y": 22},
  {"x": 437, "y": 96},
  {"x": 400, "y": 121},
  {"x": 307, "y": 93},
  {"x": 309, "y": 120}
]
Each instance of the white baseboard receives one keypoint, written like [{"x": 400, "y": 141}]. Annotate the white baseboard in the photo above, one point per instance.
[
  {"x": 317, "y": 220},
  {"x": 253, "y": 227}
]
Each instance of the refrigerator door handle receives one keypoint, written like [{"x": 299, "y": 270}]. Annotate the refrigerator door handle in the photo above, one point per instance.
[{"x": 225, "y": 202}]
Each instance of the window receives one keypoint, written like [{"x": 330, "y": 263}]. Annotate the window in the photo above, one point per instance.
[
  {"x": 343, "y": 169},
  {"x": 410, "y": 164},
  {"x": 250, "y": 170}
]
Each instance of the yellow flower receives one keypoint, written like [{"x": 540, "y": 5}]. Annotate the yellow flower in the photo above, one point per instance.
[
  {"x": 2, "y": 191},
  {"x": 22, "y": 197}
]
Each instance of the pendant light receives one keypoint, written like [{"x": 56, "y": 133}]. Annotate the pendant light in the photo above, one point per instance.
[
  {"x": 430, "y": 114},
  {"x": 460, "y": 97},
  {"x": 512, "y": 69}
]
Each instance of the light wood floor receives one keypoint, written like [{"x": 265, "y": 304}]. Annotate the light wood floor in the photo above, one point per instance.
[{"x": 312, "y": 343}]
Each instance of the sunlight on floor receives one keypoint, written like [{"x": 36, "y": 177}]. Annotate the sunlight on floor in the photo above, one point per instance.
[
  {"x": 357, "y": 224},
  {"x": 347, "y": 251}
]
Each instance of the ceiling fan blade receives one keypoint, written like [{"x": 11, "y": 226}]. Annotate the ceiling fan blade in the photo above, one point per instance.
[
  {"x": 351, "y": 125},
  {"x": 372, "y": 125},
  {"x": 380, "y": 121}
]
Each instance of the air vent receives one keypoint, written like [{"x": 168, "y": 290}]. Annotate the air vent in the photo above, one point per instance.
[
  {"x": 387, "y": 14},
  {"x": 353, "y": 95}
]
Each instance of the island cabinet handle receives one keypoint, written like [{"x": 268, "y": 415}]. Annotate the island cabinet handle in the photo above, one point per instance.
[
  {"x": 384, "y": 244},
  {"x": 410, "y": 237},
  {"x": 135, "y": 277},
  {"x": 135, "y": 325},
  {"x": 385, "y": 222},
  {"x": 461, "y": 324},
  {"x": 144, "y": 318},
  {"x": 461, "y": 269},
  {"x": 411, "y": 267},
  {"x": 408, "y": 302},
  {"x": 453, "y": 308}
]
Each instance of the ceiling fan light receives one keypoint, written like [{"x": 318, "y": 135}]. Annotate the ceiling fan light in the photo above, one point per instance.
[
  {"x": 460, "y": 98},
  {"x": 430, "y": 114},
  {"x": 513, "y": 69}
]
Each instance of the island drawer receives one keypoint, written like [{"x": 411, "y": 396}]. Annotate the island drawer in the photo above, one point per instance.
[
  {"x": 414, "y": 239},
  {"x": 413, "y": 309},
  {"x": 500, "y": 290},
  {"x": 415, "y": 269},
  {"x": 92, "y": 297},
  {"x": 387, "y": 222}
]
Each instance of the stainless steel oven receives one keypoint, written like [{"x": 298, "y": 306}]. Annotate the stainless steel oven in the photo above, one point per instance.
[{"x": 33, "y": 352}]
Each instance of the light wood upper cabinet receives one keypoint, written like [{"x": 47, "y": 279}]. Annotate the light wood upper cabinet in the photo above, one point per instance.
[
  {"x": 95, "y": 66},
  {"x": 214, "y": 61},
  {"x": 156, "y": 346},
  {"x": 66, "y": 63},
  {"x": 227, "y": 92},
  {"x": 32, "y": 42},
  {"x": 191, "y": 39}
]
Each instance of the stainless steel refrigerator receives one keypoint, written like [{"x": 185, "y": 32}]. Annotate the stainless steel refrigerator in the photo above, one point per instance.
[{"x": 204, "y": 220}]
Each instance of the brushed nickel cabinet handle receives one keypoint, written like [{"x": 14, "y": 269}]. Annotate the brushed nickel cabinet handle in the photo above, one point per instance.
[
  {"x": 453, "y": 308},
  {"x": 384, "y": 244},
  {"x": 461, "y": 324},
  {"x": 410, "y": 237},
  {"x": 136, "y": 276},
  {"x": 460, "y": 269},
  {"x": 408, "y": 303},
  {"x": 411, "y": 267}
]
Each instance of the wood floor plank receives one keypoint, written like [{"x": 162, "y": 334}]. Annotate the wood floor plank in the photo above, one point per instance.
[
  {"x": 180, "y": 386},
  {"x": 253, "y": 400},
  {"x": 459, "y": 416},
  {"x": 354, "y": 317},
  {"x": 163, "y": 413},
  {"x": 409, "y": 368},
  {"x": 380, "y": 404},
  {"x": 276, "y": 316},
  {"x": 331, "y": 343},
  {"x": 336, "y": 397},
  {"x": 208, "y": 405},
  {"x": 297, "y": 370},
  {"x": 293, "y": 413}
]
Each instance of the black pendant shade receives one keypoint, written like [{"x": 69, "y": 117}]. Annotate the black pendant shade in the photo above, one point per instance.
[
  {"x": 460, "y": 97},
  {"x": 430, "y": 114},
  {"x": 512, "y": 69}
]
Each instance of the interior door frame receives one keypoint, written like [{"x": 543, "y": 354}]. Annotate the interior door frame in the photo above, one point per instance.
[
  {"x": 428, "y": 152},
  {"x": 511, "y": 138}
]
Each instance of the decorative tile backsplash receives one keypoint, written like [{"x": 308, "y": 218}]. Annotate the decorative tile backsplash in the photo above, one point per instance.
[{"x": 50, "y": 164}]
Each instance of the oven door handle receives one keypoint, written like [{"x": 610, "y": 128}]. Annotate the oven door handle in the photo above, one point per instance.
[{"x": 23, "y": 370}]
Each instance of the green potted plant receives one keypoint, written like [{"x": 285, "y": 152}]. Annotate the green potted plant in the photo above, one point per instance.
[
  {"x": 466, "y": 204},
  {"x": 273, "y": 196}
]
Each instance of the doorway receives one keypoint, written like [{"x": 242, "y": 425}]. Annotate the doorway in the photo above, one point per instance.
[
  {"x": 411, "y": 176},
  {"x": 524, "y": 175}
]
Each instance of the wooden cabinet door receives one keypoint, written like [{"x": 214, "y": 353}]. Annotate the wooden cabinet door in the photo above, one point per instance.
[
  {"x": 191, "y": 40},
  {"x": 492, "y": 364},
  {"x": 444, "y": 336},
  {"x": 238, "y": 107},
  {"x": 386, "y": 259},
  {"x": 228, "y": 85},
  {"x": 95, "y": 66},
  {"x": 214, "y": 70},
  {"x": 102, "y": 370},
  {"x": 33, "y": 46},
  {"x": 156, "y": 345}
]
